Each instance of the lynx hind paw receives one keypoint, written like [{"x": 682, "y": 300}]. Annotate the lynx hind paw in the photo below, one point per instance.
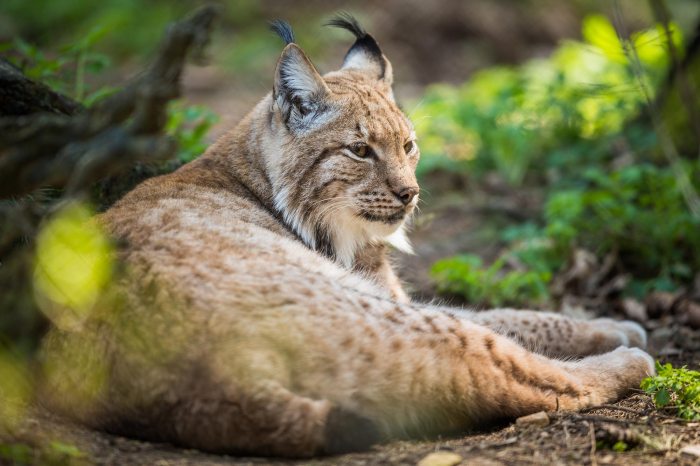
[
  {"x": 346, "y": 432},
  {"x": 622, "y": 332}
]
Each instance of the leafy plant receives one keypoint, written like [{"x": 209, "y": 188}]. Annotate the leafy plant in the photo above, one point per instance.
[
  {"x": 638, "y": 212},
  {"x": 522, "y": 121},
  {"x": 678, "y": 388},
  {"x": 55, "y": 453},
  {"x": 66, "y": 70},
  {"x": 466, "y": 275},
  {"x": 189, "y": 125},
  {"x": 16, "y": 453},
  {"x": 561, "y": 124}
]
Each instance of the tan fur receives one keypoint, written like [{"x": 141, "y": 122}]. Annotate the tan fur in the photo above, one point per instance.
[{"x": 258, "y": 313}]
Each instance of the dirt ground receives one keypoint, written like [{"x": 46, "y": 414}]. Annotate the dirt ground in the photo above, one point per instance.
[
  {"x": 442, "y": 229},
  {"x": 570, "y": 438}
]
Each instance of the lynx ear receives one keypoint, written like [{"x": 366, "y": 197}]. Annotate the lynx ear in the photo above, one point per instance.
[
  {"x": 365, "y": 54},
  {"x": 299, "y": 90}
]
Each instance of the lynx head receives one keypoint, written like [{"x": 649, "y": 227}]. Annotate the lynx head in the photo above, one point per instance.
[{"x": 342, "y": 155}]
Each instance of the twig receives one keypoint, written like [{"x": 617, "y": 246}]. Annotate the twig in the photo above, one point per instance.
[
  {"x": 506, "y": 442},
  {"x": 594, "y": 418},
  {"x": 660, "y": 415},
  {"x": 20, "y": 95},
  {"x": 615, "y": 408},
  {"x": 591, "y": 434}
]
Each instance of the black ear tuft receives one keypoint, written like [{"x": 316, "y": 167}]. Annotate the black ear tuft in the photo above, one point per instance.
[
  {"x": 345, "y": 20},
  {"x": 283, "y": 29},
  {"x": 364, "y": 44}
]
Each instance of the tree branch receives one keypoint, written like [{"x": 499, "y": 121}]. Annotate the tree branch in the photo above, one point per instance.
[
  {"x": 20, "y": 95},
  {"x": 40, "y": 149}
]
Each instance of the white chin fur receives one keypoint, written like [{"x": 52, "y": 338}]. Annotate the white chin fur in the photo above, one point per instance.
[
  {"x": 348, "y": 232},
  {"x": 400, "y": 241}
]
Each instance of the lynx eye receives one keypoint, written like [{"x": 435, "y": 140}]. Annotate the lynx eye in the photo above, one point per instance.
[
  {"x": 409, "y": 147},
  {"x": 361, "y": 150}
]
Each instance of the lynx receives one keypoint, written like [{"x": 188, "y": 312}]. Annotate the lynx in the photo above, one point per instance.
[{"x": 258, "y": 312}]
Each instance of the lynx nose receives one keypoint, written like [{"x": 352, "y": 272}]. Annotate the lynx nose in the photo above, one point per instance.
[{"x": 406, "y": 195}]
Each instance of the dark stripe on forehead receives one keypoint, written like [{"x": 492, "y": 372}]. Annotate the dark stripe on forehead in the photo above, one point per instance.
[
  {"x": 382, "y": 113},
  {"x": 396, "y": 113},
  {"x": 361, "y": 88},
  {"x": 385, "y": 123},
  {"x": 343, "y": 89}
]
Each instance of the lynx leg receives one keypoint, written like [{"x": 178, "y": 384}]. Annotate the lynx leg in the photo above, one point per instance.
[
  {"x": 431, "y": 373},
  {"x": 476, "y": 376},
  {"x": 267, "y": 421},
  {"x": 560, "y": 336},
  {"x": 506, "y": 380}
]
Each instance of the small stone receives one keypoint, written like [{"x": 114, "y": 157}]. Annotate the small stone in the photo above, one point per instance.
[
  {"x": 441, "y": 458},
  {"x": 695, "y": 290},
  {"x": 538, "y": 419},
  {"x": 662, "y": 335},
  {"x": 659, "y": 303},
  {"x": 690, "y": 313},
  {"x": 691, "y": 450},
  {"x": 634, "y": 310}
]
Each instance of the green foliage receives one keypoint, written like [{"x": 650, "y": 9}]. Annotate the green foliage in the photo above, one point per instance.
[
  {"x": 133, "y": 29},
  {"x": 557, "y": 124},
  {"x": 70, "y": 20},
  {"x": 678, "y": 388},
  {"x": 620, "y": 446},
  {"x": 60, "y": 450},
  {"x": 523, "y": 121},
  {"x": 465, "y": 275},
  {"x": 54, "y": 454},
  {"x": 64, "y": 71},
  {"x": 16, "y": 453},
  {"x": 189, "y": 125},
  {"x": 617, "y": 446},
  {"x": 636, "y": 211}
]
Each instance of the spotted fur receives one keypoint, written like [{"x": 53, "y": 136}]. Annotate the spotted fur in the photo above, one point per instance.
[{"x": 257, "y": 312}]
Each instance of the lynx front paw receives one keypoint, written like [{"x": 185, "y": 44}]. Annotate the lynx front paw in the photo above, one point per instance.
[
  {"x": 612, "y": 375},
  {"x": 629, "y": 366},
  {"x": 640, "y": 362}
]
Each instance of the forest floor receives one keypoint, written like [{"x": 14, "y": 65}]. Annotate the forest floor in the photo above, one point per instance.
[{"x": 444, "y": 227}]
